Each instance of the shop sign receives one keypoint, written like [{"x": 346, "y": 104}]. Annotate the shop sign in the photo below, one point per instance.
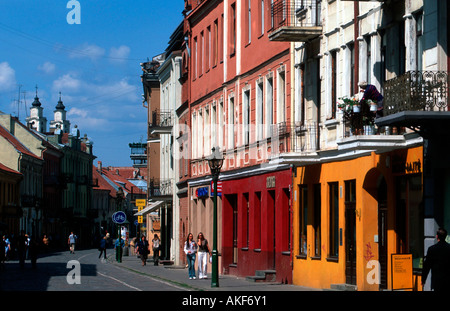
[
  {"x": 401, "y": 166},
  {"x": 202, "y": 192},
  {"x": 270, "y": 182},
  {"x": 402, "y": 271}
]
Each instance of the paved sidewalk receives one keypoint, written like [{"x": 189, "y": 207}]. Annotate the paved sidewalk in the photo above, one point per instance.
[{"x": 178, "y": 276}]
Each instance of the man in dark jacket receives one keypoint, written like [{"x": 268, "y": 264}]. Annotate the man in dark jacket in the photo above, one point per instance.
[{"x": 438, "y": 261}]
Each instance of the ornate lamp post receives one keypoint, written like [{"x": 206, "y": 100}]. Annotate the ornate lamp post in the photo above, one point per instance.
[
  {"x": 119, "y": 198},
  {"x": 215, "y": 161}
]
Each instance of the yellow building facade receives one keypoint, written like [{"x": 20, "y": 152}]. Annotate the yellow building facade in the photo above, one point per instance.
[{"x": 350, "y": 215}]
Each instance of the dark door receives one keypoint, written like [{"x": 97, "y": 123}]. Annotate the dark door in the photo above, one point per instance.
[
  {"x": 350, "y": 232},
  {"x": 382, "y": 233},
  {"x": 271, "y": 207}
]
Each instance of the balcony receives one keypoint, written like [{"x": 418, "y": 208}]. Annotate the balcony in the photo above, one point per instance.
[
  {"x": 296, "y": 20},
  {"x": 417, "y": 100},
  {"x": 161, "y": 122},
  {"x": 161, "y": 189}
]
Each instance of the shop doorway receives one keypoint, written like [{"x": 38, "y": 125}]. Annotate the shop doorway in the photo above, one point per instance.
[
  {"x": 350, "y": 232},
  {"x": 271, "y": 208},
  {"x": 382, "y": 232}
]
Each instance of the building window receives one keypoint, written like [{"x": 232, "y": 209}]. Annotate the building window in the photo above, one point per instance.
[
  {"x": 216, "y": 43},
  {"x": 261, "y": 17},
  {"x": 333, "y": 84},
  {"x": 249, "y": 24},
  {"x": 233, "y": 30},
  {"x": 195, "y": 58},
  {"x": 246, "y": 116},
  {"x": 303, "y": 220},
  {"x": 257, "y": 220},
  {"x": 208, "y": 49},
  {"x": 281, "y": 95},
  {"x": 260, "y": 109},
  {"x": 333, "y": 229},
  {"x": 269, "y": 105},
  {"x": 231, "y": 123},
  {"x": 317, "y": 220},
  {"x": 221, "y": 125},
  {"x": 419, "y": 40},
  {"x": 202, "y": 53},
  {"x": 368, "y": 60},
  {"x": 353, "y": 88}
]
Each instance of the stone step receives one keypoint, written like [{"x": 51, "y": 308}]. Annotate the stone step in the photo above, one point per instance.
[
  {"x": 263, "y": 276},
  {"x": 343, "y": 287}
]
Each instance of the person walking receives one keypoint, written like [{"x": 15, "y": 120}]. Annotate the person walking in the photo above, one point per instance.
[
  {"x": 156, "y": 244},
  {"x": 102, "y": 248},
  {"x": 7, "y": 247},
  {"x": 22, "y": 248},
  {"x": 437, "y": 261},
  {"x": 190, "y": 248},
  {"x": 203, "y": 251},
  {"x": 72, "y": 240},
  {"x": 33, "y": 251},
  {"x": 2, "y": 252},
  {"x": 143, "y": 248}
]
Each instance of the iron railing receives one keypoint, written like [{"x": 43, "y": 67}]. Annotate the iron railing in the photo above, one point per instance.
[
  {"x": 417, "y": 91},
  {"x": 296, "y": 13},
  {"x": 161, "y": 118},
  {"x": 160, "y": 187},
  {"x": 295, "y": 138}
]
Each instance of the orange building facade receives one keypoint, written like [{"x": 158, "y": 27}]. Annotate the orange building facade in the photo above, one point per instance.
[{"x": 350, "y": 216}]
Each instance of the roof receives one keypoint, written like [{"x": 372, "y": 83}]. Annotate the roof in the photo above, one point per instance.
[
  {"x": 16, "y": 143},
  {"x": 7, "y": 169},
  {"x": 112, "y": 178}
]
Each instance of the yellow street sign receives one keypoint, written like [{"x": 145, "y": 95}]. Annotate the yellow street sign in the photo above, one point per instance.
[{"x": 140, "y": 202}]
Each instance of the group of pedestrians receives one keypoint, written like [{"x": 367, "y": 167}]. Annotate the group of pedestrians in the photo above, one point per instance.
[
  {"x": 23, "y": 247},
  {"x": 143, "y": 249},
  {"x": 192, "y": 248}
]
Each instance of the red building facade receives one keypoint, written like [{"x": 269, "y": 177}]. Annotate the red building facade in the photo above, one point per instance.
[{"x": 237, "y": 90}]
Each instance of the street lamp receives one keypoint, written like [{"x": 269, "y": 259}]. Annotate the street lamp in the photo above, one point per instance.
[
  {"x": 215, "y": 161},
  {"x": 119, "y": 198}
]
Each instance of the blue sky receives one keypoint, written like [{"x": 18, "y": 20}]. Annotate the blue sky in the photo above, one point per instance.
[{"x": 95, "y": 64}]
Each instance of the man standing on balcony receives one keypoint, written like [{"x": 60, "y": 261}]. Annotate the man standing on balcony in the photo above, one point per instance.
[{"x": 371, "y": 92}]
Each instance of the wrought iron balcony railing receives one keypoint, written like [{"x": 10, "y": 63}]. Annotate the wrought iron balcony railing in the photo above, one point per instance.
[
  {"x": 160, "y": 187},
  {"x": 417, "y": 91},
  {"x": 161, "y": 121},
  {"x": 296, "y": 20}
]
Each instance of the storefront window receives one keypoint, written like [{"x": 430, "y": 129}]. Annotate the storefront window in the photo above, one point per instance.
[
  {"x": 410, "y": 217},
  {"x": 334, "y": 219},
  {"x": 303, "y": 213}
]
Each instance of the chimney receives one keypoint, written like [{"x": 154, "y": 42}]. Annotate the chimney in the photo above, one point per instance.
[
  {"x": 117, "y": 172},
  {"x": 99, "y": 166}
]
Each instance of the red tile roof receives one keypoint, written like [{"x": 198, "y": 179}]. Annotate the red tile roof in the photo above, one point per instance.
[{"x": 16, "y": 143}]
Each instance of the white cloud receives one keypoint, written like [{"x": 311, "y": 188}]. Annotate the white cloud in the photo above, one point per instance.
[
  {"x": 119, "y": 54},
  {"x": 86, "y": 50},
  {"x": 47, "y": 67},
  {"x": 7, "y": 77},
  {"x": 77, "y": 112},
  {"x": 66, "y": 83}
]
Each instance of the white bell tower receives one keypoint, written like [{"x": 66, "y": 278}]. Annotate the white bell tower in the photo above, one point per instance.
[
  {"x": 36, "y": 120},
  {"x": 60, "y": 117}
]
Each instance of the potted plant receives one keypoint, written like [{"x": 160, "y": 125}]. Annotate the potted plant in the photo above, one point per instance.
[{"x": 373, "y": 105}]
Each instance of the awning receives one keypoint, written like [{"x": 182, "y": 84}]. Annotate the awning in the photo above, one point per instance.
[{"x": 150, "y": 208}]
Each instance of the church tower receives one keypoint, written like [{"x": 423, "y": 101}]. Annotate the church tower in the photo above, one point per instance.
[
  {"x": 36, "y": 120},
  {"x": 60, "y": 118}
]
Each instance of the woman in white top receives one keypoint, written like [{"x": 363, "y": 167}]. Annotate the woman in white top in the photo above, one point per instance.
[
  {"x": 203, "y": 250},
  {"x": 190, "y": 248}
]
